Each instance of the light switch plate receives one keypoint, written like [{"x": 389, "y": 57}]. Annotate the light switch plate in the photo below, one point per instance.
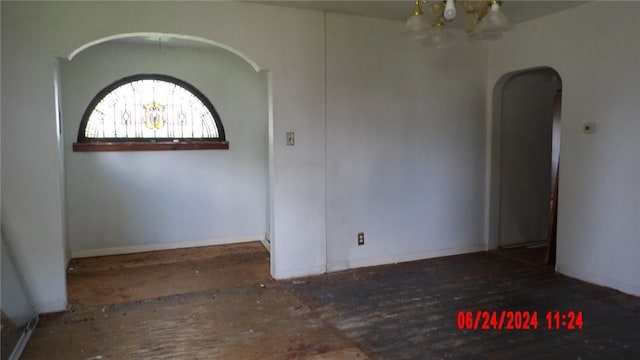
[{"x": 291, "y": 139}]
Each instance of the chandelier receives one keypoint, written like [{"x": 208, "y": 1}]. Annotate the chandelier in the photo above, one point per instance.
[{"x": 485, "y": 21}]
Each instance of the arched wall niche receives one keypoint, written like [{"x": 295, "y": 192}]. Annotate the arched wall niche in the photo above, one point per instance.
[{"x": 194, "y": 45}]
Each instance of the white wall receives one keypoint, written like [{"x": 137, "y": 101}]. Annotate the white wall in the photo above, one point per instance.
[
  {"x": 287, "y": 42},
  {"x": 405, "y": 140},
  {"x": 595, "y": 49},
  {"x": 127, "y": 199},
  {"x": 31, "y": 181},
  {"x": 16, "y": 303}
]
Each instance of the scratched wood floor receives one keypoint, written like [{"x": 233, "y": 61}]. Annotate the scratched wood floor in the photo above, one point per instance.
[{"x": 220, "y": 303}]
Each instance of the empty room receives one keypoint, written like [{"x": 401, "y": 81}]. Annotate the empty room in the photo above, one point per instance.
[{"x": 320, "y": 179}]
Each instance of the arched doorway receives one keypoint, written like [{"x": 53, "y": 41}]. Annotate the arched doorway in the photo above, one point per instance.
[{"x": 525, "y": 158}]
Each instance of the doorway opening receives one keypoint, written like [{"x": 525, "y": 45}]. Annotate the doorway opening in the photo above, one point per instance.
[{"x": 526, "y": 157}]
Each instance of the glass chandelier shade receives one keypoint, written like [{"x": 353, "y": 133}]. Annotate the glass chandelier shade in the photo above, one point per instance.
[
  {"x": 487, "y": 21},
  {"x": 417, "y": 25},
  {"x": 493, "y": 24},
  {"x": 439, "y": 38}
]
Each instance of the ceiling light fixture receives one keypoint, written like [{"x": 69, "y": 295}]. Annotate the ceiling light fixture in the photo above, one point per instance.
[
  {"x": 439, "y": 37},
  {"x": 417, "y": 25},
  {"x": 486, "y": 21}
]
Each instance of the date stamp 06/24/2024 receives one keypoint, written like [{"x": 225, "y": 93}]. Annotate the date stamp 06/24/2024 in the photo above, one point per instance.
[{"x": 519, "y": 320}]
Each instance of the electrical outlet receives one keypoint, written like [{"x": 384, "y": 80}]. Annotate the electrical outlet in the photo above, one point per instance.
[
  {"x": 589, "y": 128},
  {"x": 361, "y": 238}
]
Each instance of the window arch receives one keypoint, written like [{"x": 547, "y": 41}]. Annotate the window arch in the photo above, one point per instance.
[{"x": 150, "y": 112}]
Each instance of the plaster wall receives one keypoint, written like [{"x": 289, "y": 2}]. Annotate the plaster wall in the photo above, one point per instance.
[{"x": 405, "y": 140}]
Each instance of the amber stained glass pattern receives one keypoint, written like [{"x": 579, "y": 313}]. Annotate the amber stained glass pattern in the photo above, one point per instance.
[{"x": 151, "y": 107}]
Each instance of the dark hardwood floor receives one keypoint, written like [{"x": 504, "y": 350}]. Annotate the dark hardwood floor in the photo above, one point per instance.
[{"x": 220, "y": 303}]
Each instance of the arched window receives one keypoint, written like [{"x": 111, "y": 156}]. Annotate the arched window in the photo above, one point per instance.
[{"x": 150, "y": 112}]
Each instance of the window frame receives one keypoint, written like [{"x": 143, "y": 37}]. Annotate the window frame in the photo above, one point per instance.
[{"x": 85, "y": 143}]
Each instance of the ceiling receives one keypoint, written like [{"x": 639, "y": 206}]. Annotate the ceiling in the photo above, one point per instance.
[{"x": 517, "y": 10}]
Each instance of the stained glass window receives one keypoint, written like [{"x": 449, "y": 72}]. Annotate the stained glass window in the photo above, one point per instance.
[{"x": 150, "y": 108}]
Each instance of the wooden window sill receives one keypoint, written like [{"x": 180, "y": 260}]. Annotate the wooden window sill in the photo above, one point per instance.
[{"x": 150, "y": 146}]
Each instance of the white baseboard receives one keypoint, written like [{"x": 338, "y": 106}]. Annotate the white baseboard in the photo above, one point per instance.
[
  {"x": 384, "y": 260},
  {"x": 598, "y": 279},
  {"x": 129, "y": 249},
  {"x": 266, "y": 243},
  {"x": 293, "y": 273},
  {"x": 67, "y": 258}
]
